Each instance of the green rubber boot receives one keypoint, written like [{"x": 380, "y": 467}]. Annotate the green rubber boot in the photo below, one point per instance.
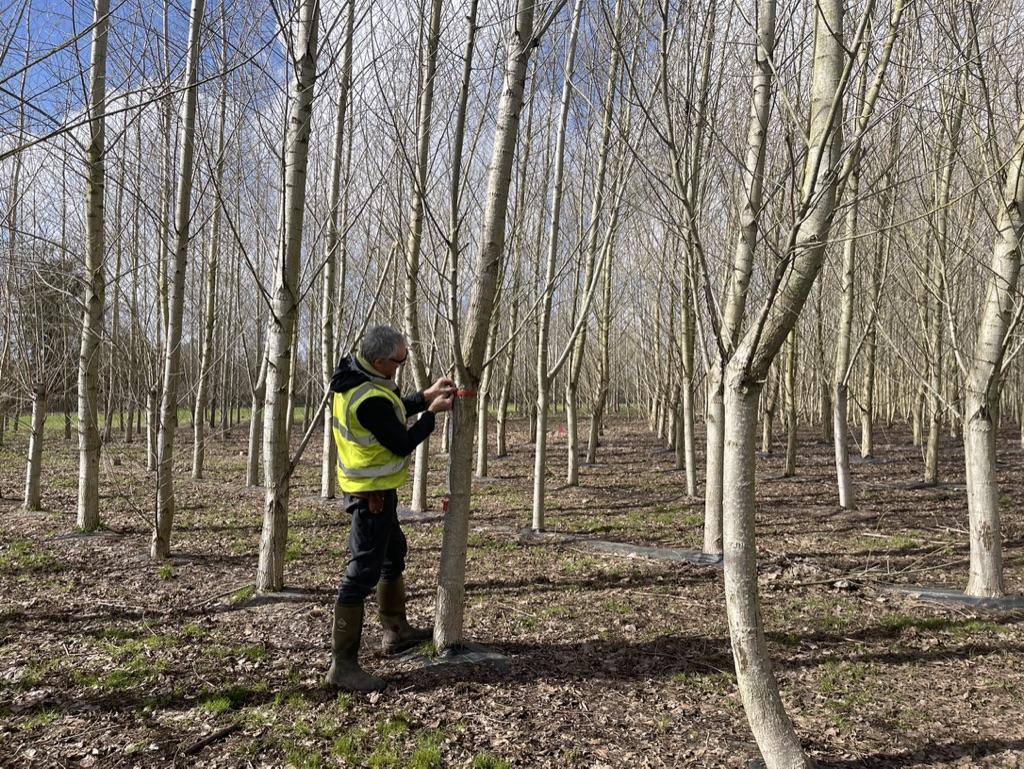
[
  {"x": 345, "y": 672},
  {"x": 399, "y": 635}
]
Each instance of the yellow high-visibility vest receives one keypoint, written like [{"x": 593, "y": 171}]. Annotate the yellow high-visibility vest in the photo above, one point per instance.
[{"x": 363, "y": 463}]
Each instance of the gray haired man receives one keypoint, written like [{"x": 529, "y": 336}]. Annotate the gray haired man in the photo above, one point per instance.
[{"x": 369, "y": 419}]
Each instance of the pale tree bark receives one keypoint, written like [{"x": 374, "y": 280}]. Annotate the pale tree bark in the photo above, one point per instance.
[
  {"x": 749, "y": 204},
  {"x": 769, "y": 400},
  {"x": 851, "y": 181},
  {"x": 986, "y": 559},
  {"x": 789, "y": 400},
  {"x": 604, "y": 325},
  {"x": 210, "y": 314},
  {"x": 259, "y": 393},
  {"x": 867, "y": 408},
  {"x": 803, "y": 254},
  {"x": 115, "y": 322},
  {"x": 935, "y": 285},
  {"x": 418, "y": 353},
  {"x": 448, "y": 628},
  {"x": 88, "y": 518},
  {"x": 152, "y": 418},
  {"x": 33, "y": 472},
  {"x": 329, "y": 331},
  {"x": 161, "y": 543},
  {"x": 293, "y": 365},
  {"x": 604, "y": 320},
  {"x": 483, "y": 395},
  {"x": 508, "y": 372},
  {"x": 591, "y": 251},
  {"x": 888, "y": 203},
  {"x": 284, "y": 307},
  {"x": 544, "y": 373},
  {"x": 504, "y": 395}
]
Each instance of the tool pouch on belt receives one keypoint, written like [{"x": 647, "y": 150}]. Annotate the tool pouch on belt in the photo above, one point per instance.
[{"x": 374, "y": 500}]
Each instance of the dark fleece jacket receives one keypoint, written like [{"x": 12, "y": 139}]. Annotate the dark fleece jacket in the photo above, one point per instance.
[{"x": 377, "y": 414}]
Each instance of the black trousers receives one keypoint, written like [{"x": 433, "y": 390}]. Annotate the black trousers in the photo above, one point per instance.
[{"x": 376, "y": 546}]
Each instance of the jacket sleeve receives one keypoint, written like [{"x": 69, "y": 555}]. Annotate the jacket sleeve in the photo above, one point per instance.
[
  {"x": 414, "y": 404},
  {"x": 377, "y": 415}
]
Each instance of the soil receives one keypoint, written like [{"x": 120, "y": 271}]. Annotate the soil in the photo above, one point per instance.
[{"x": 108, "y": 659}]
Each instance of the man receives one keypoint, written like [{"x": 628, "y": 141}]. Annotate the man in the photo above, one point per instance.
[{"x": 369, "y": 419}]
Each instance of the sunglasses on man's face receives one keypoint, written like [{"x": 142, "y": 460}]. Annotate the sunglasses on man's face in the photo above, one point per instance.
[{"x": 400, "y": 362}]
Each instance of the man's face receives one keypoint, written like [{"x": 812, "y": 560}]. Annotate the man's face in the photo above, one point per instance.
[{"x": 389, "y": 366}]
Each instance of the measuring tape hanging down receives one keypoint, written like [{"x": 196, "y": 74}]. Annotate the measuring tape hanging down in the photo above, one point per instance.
[{"x": 461, "y": 393}]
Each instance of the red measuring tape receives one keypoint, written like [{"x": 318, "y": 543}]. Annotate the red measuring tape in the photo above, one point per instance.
[{"x": 465, "y": 393}]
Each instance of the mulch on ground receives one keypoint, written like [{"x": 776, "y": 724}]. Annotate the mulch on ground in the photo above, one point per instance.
[{"x": 108, "y": 659}]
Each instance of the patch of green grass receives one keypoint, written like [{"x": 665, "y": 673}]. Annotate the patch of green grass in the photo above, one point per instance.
[
  {"x": 840, "y": 675},
  {"x": 900, "y": 622},
  {"x": 711, "y": 682},
  {"x": 344, "y": 702},
  {"x": 129, "y": 674},
  {"x": 557, "y": 612},
  {"x": 38, "y": 721},
  {"x": 216, "y": 705},
  {"x": 427, "y": 754},
  {"x": 579, "y": 566},
  {"x": 349, "y": 747},
  {"x": 249, "y": 653},
  {"x": 301, "y": 757},
  {"x": 489, "y": 761},
  {"x": 165, "y": 572},
  {"x": 35, "y": 673},
  {"x": 22, "y": 558},
  {"x": 897, "y": 543},
  {"x": 693, "y": 520},
  {"x": 293, "y": 549},
  {"x": 790, "y": 640},
  {"x": 231, "y": 698},
  {"x": 848, "y": 689},
  {"x": 395, "y": 726},
  {"x": 194, "y": 632},
  {"x": 383, "y": 757},
  {"x": 616, "y": 607},
  {"x": 242, "y": 595},
  {"x": 116, "y": 634}
]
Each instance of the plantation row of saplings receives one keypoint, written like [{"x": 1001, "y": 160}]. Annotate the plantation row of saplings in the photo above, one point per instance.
[{"x": 711, "y": 217}]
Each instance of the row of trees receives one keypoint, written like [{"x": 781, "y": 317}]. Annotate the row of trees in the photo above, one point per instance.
[{"x": 628, "y": 201}]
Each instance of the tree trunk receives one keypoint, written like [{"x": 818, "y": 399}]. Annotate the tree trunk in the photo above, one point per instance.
[
  {"x": 790, "y": 401},
  {"x": 805, "y": 247},
  {"x": 152, "y": 419},
  {"x": 840, "y": 380},
  {"x": 259, "y": 393},
  {"x": 766, "y": 714},
  {"x": 483, "y": 400},
  {"x": 417, "y": 349},
  {"x": 302, "y": 56},
  {"x": 986, "y": 565},
  {"x": 33, "y": 471},
  {"x": 210, "y": 315},
  {"x": 452, "y": 576},
  {"x": 161, "y": 544},
  {"x": 329, "y": 332},
  {"x": 113, "y": 385},
  {"x": 749, "y": 202},
  {"x": 593, "y": 243},
  {"x": 544, "y": 375},
  {"x": 88, "y": 517}
]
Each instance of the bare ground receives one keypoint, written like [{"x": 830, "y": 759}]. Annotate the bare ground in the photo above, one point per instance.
[{"x": 110, "y": 660}]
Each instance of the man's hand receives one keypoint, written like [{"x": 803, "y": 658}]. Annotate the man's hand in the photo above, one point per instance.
[
  {"x": 442, "y": 403},
  {"x": 442, "y": 387}
]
